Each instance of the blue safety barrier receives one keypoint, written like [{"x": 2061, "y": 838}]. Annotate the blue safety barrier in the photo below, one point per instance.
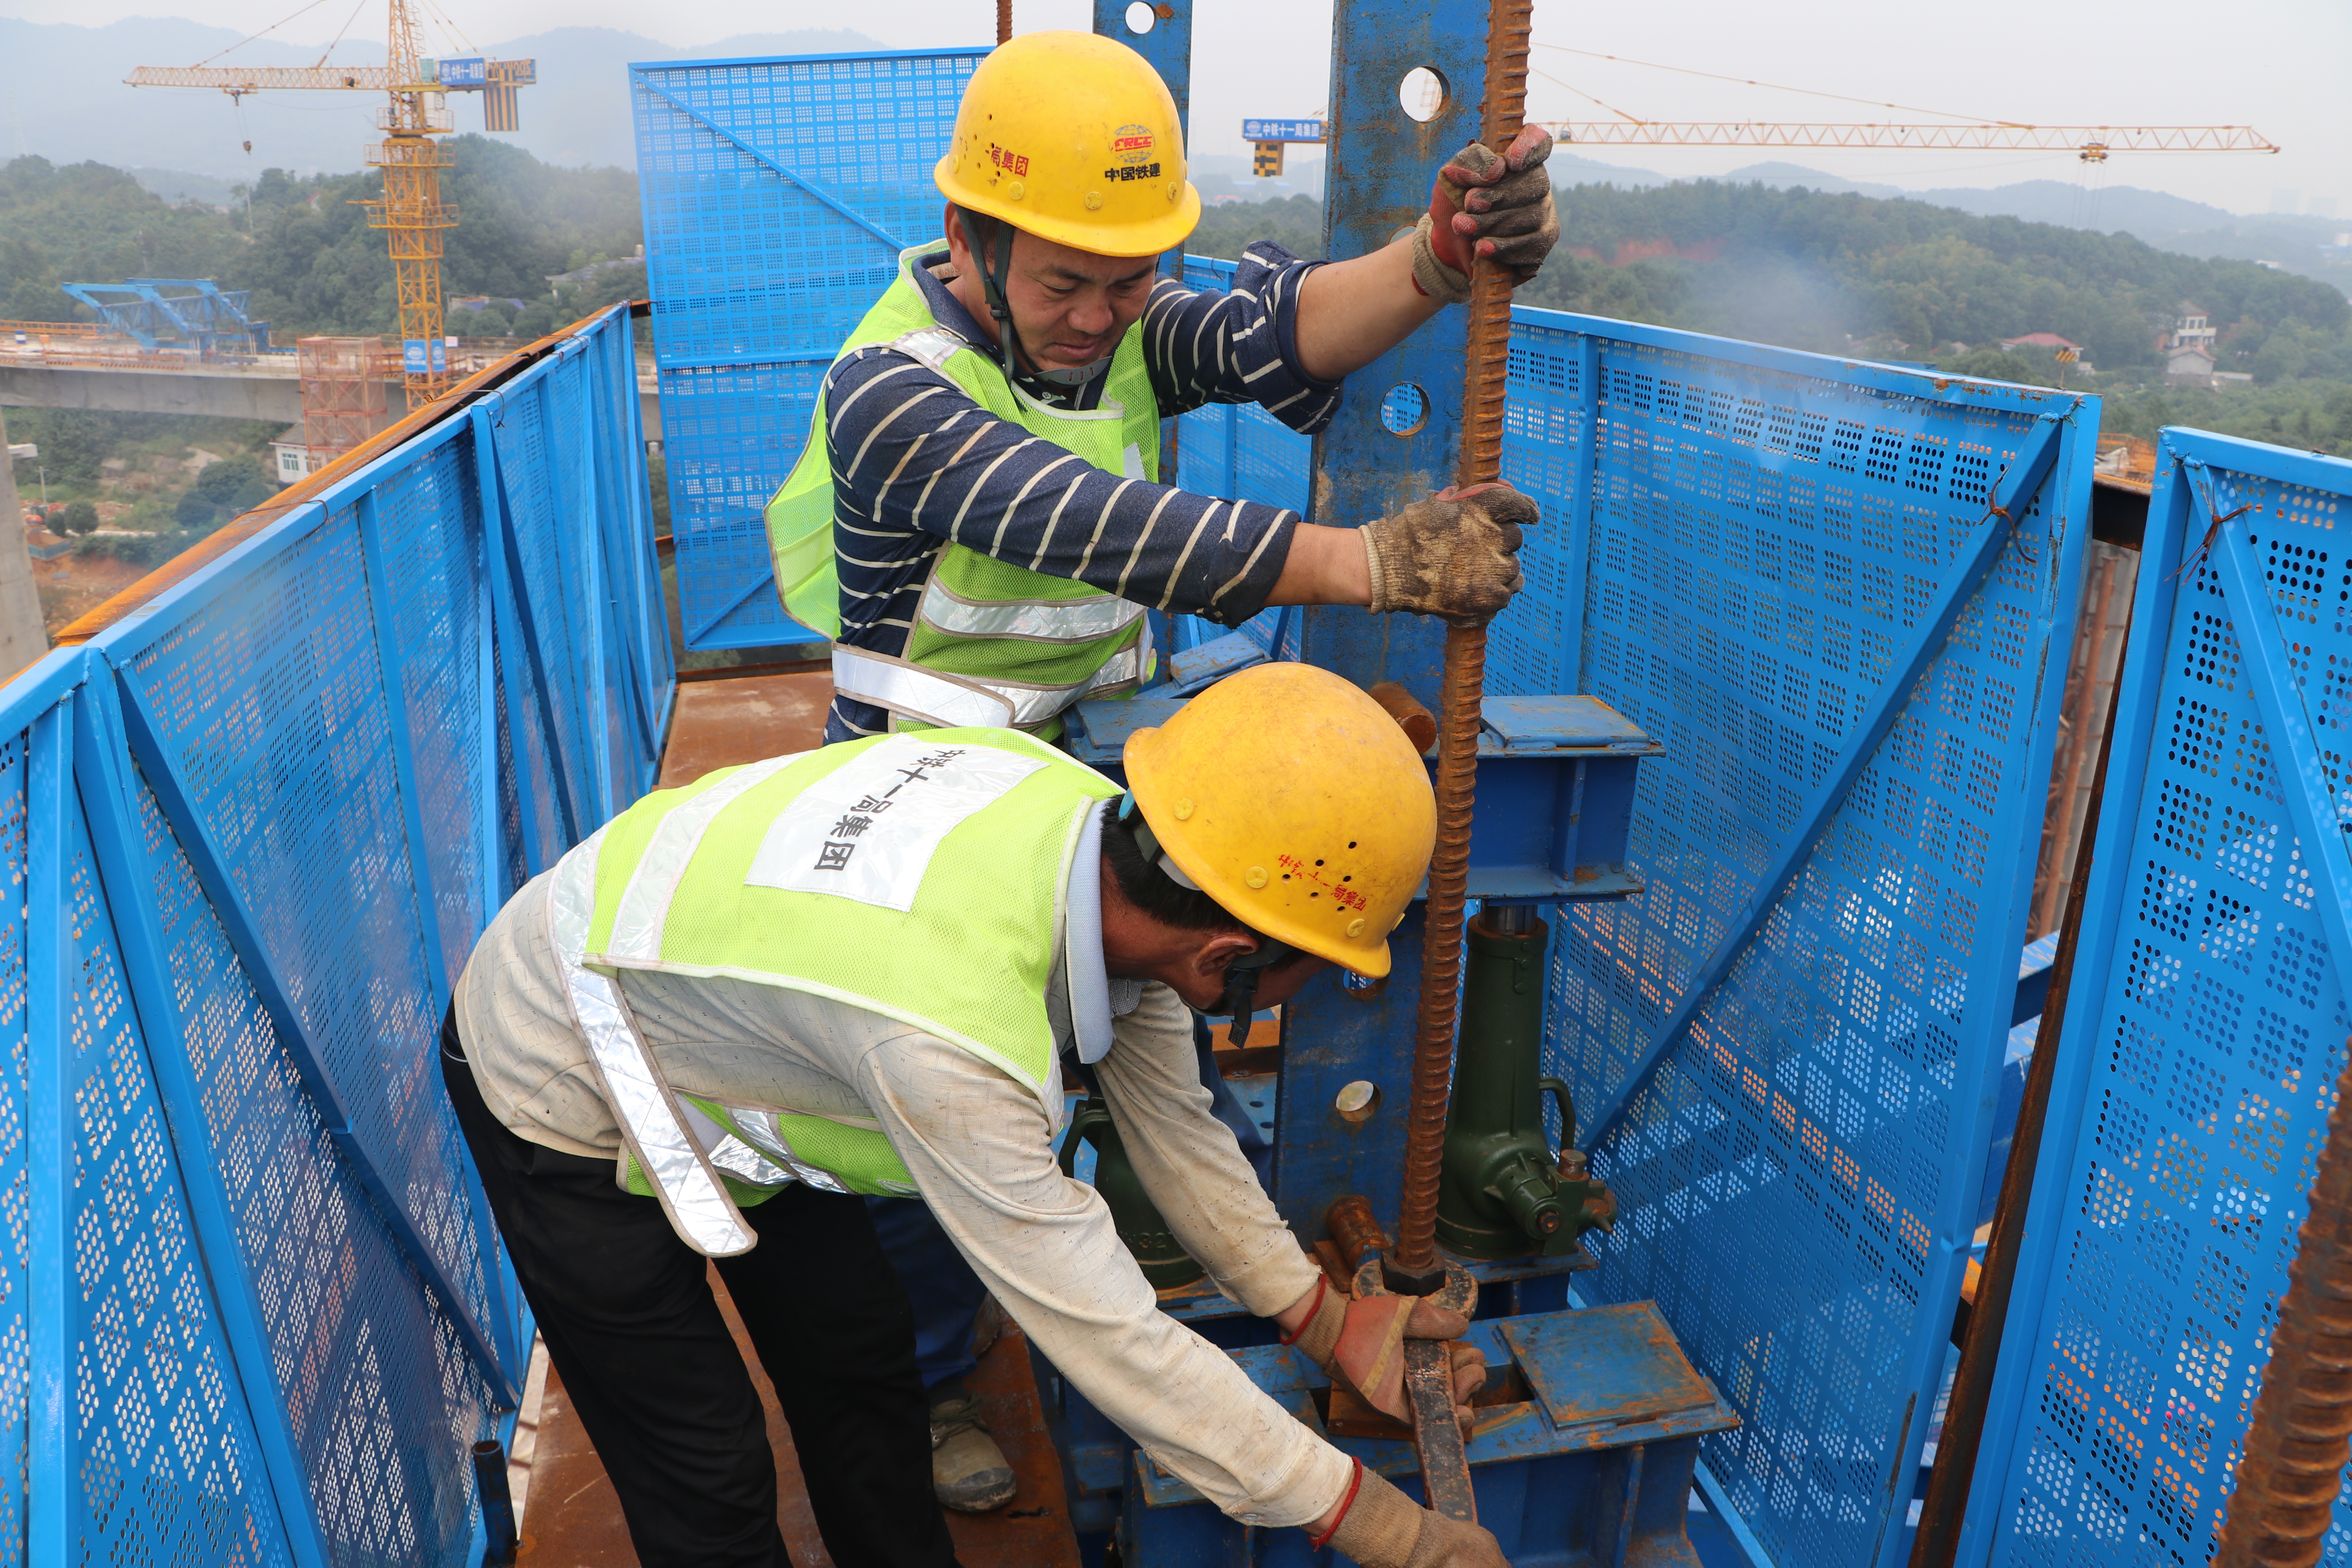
[
  {"x": 1796, "y": 574},
  {"x": 255, "y": 1312},
  {"x": 777, "y": 196},
  {"x": 2203, "y": 1035}
]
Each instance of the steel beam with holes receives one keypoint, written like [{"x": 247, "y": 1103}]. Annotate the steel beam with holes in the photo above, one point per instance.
[{"x": 2014, "y": 491}]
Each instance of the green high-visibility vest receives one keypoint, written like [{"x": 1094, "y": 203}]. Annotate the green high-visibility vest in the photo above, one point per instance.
[
  {"x": 920, "y": 876},
  {"x": 993, "y": 642}
]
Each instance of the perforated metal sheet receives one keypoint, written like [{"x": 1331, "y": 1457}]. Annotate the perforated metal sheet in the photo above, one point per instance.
[
  {"x": 253, "y": 1367},
  {"x": 269, "y": 697},
  {"x": 169, "y": 1470},
  {"x": 777, "y": 195},
  {"x": 1757, "y": 533},
  {"x": 2200, "y": 1051}
]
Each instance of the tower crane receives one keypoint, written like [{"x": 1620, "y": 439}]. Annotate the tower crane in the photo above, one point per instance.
[
  {"x": 410, "y": 210},
  {"x": 2091, "y": 143}
]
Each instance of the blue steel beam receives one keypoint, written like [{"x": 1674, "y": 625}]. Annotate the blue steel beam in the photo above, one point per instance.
[
  {"x": 2012, "y": 493},
  {"x": 1376, "y": 182},
  {"x": 1381, "y": 162},
  {"x": 53, "y": 1501}
]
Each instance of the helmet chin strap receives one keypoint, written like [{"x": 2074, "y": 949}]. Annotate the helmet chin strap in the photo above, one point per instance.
[{"x": 987, "y": 234}]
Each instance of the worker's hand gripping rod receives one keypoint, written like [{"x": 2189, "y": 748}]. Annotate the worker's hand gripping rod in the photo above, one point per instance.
[{"x": 1429, "y": 1382}]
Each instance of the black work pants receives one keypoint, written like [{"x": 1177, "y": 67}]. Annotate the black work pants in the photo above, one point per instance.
[{"x": 646, "y": 1359}]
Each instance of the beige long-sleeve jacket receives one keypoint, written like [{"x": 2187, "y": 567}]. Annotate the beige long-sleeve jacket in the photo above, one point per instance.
[{"x": 979, "y": 1146}]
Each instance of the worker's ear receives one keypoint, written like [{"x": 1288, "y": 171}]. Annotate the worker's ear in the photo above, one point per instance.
[
  {"x": 1216, "y": 954},
  {"x": 959, "y": 242}
]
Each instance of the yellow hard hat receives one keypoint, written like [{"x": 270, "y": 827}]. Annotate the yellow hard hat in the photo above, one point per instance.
[
  {"x": 1074, "y": 139},
  {"x": 1296, "y": 803}
]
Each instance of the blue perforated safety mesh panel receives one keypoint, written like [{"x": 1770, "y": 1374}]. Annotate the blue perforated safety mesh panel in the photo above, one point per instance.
[
  {"x": 2200, "y": 1053},
  {"x": 372, "y": 1382},
  {"x": 777, "y": 195},
  {"x": 433, "y": 548},
  {"x": 1763, "y": 531},
  {"x": 169, "y": 1471},
  {"x": 278, "y": 758},
  {"x": 272, "y": 688}
]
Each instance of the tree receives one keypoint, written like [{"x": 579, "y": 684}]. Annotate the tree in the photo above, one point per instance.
[
  {"x": 224, "y": 490},
  {"x": 1996, "y": 365},
  {"x": 79, "y": 517},
  {"x": 2280, "y": 358}
]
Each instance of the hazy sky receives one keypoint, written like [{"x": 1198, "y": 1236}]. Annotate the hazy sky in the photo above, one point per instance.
[{"x": 2278, "y": 65}]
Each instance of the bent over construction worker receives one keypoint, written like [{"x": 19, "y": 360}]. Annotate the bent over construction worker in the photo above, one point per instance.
[
  {"x": 861, "y": 969},
  {"x": 978, "y": 520}
]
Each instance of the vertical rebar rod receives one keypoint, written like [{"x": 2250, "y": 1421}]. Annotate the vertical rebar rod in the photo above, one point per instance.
[
  {"x": 2285, "y": 1500},
  {"x": 1488, "y": 362},
  {"x": 1003, "y": 21}
]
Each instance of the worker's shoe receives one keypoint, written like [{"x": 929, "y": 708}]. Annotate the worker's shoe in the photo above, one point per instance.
[{"x": 969, "y": 1472}]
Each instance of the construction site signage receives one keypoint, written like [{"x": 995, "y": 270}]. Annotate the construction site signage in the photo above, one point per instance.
[{"x": 1282, "y": 131}]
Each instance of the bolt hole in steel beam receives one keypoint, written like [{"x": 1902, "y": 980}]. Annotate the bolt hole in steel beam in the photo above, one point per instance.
[
  {"x": 1356, "y": 1102},
  {"x": 1423, "y": 93},
  {"x": 1141, "y": 19},
  {"x": 1405, "y": 409}
]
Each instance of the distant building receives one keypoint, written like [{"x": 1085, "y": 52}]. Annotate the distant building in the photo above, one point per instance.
[
  {"x": 2192, "y": 328},
  {"x": 295, "y": 460},
  {"x": 2050, "y": 343},
  {"x": 2189, "y": 364}
]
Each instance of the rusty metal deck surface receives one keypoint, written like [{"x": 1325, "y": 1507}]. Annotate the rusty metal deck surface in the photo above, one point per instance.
[
  {"x": 573, "y": 1519},
  {"x": 742, "y": 718}
]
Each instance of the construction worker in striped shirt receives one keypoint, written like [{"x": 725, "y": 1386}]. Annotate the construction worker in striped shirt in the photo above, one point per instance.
[
  {"x": 867, "y": 969},
  {"x": 978, "y": 520}
]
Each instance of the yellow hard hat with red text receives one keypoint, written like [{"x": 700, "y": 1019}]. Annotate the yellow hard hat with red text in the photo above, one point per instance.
[
  {"x": 1075, "y": 139},
  {"x": 1296, "y": 803}
]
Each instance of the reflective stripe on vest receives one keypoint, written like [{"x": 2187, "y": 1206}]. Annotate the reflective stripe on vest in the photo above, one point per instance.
[
  {"x": 956, "y": 701},
  {"x": 651, "y": 1120},
  {"x": 1031, "y": 620}
]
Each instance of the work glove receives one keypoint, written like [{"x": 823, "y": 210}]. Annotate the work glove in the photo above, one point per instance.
[
  {"x": 1361, "y": 1343},
  {"x": 1379, "y": 1527},
  {"x": 1494, "y": 208},
  {"x": 1455, "y": 554}
]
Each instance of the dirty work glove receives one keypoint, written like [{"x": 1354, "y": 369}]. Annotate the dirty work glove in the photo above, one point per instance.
[
  {"x": 1379, "y": 1527},
  {"x": 1361, "y": 1343},
  {"x": 1455, "y": 554},
  {"x": 1498, "y": 209}
]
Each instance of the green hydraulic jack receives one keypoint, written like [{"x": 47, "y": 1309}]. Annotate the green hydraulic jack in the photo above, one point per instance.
[
  {"x": 1164, "y": 1262},
  {"x": 1505, "y": 1193}
]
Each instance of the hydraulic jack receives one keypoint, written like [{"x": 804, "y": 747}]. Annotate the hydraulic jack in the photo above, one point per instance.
[{"x": 1505, "y": 1193}]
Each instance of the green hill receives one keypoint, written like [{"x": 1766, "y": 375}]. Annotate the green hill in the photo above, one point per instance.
[{"x": 304, "y": 249}]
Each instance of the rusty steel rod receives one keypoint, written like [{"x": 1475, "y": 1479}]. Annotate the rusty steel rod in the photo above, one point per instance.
[
  {"x": 1488, "y": 361},
  {"x": 2301, "y": 1433},
  {"x": 1003, "y": 21}
]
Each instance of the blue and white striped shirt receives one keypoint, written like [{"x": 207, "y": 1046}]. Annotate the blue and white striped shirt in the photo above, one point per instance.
[{"x": 917, "y": 463}]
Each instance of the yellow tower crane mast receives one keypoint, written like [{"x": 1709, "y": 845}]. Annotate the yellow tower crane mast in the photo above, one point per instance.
[{"x": 410, "y": 210}]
